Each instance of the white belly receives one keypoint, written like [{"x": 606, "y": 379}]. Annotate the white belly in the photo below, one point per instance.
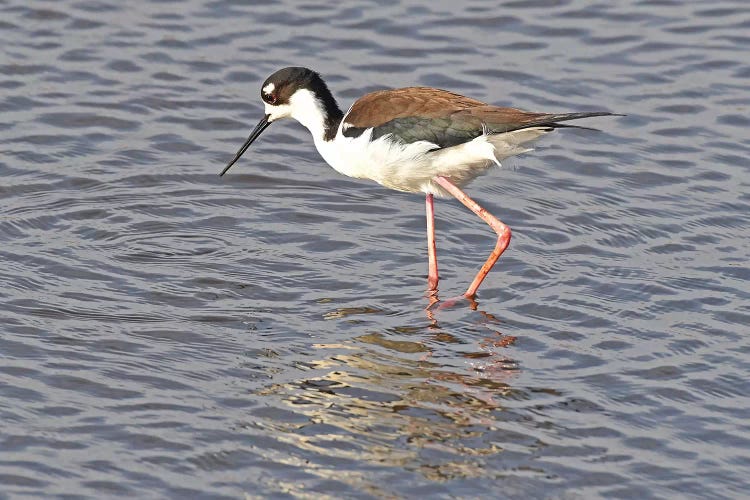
[
  {"x": 397, "y": 166},
  {"x": 411, "y": 167}
]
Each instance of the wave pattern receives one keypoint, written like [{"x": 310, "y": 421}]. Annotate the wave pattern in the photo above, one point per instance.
[{"x": 174, "y": 334}]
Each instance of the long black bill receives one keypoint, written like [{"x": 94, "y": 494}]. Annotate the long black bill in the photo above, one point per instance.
[{"x": 259, "y": 128}]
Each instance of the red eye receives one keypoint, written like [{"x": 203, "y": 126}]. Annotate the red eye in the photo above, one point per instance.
[{"x": 271, "y": 98}]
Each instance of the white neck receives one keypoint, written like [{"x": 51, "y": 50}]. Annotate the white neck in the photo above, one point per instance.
[{"x": 309, "y": 111}]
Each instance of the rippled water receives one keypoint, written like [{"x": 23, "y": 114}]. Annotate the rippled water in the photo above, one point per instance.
[{"x": 171, "y": 334}]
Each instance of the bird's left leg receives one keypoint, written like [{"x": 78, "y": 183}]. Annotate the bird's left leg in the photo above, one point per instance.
[
  {"x": 432, "y": 274},
  {"x": 503, "y": 231}
]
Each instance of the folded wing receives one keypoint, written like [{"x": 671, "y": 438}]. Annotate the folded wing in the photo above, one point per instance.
[{"x": 441, "y": 117}]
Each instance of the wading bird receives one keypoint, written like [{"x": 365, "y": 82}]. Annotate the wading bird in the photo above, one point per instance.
[{"x": 414, "y": 139}]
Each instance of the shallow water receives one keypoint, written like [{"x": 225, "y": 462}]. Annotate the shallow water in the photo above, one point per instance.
[{"x": 171, "y": 334}]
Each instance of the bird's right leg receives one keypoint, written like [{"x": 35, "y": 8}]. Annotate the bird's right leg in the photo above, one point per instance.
[{"x": 432, "y": 274}]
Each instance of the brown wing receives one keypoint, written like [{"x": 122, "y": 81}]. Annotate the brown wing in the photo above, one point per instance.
[
  {"x": 383, "y": 106},
  {"x": 440, "y": 117}
]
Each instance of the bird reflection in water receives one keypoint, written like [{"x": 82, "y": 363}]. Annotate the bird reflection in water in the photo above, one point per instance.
[
  {"x": 426, "y": 404},
  {"x": 487, "y": 360}
]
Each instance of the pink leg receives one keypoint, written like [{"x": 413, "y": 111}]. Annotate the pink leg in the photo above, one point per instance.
[
  {"x": 432, "y": 276},
  {"x": 503, "y": 231}
]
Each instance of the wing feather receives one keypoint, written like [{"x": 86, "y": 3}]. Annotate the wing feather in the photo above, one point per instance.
[{"x": 441, "y": 117}]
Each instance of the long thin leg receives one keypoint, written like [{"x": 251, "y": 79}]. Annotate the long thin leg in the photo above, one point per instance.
[
  {"x": 503, "y": 231},
  {"x": 432, "y": 275}
]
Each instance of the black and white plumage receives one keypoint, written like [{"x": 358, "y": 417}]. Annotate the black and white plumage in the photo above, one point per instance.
[{"x": 414, "y": 139}]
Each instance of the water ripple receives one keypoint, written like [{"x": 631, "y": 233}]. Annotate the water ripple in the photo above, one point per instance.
[{"x": 267, "y": 334}]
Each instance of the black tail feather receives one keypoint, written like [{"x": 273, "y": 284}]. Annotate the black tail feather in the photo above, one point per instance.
[{"x": 553, "y": 120}]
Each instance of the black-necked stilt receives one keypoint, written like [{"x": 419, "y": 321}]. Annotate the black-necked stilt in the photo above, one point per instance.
[{"x": 415, "y": 139}]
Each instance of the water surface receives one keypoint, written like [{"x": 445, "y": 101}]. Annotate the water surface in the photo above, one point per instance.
[{"x": 171, "y": 334}]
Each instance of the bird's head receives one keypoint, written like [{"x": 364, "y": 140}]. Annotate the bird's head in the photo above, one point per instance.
[{"x": 295, "y": 91}]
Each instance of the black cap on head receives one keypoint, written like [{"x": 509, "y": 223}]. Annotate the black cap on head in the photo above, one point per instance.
[{"x": 279, "y": 87}]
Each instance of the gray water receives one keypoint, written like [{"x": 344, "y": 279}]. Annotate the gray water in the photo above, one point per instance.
[{"x": 167, "y": 333}]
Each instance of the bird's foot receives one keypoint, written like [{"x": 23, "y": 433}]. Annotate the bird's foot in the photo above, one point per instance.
[{"x": 455, "y": 301}]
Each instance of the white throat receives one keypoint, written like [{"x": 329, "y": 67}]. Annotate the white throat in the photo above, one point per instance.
[
  {"x": 309, "y": 111},
  {"x": 304, "y": 107}
]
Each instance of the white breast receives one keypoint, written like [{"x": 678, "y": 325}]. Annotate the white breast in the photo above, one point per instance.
[
  {"x": 408, "y": 167},
  {"x": 404, "y": 167}
]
